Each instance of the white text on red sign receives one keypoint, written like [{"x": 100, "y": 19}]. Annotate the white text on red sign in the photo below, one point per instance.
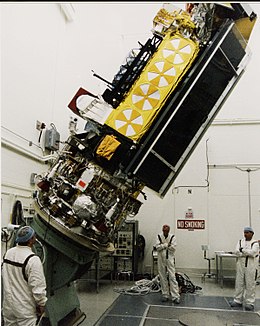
[{"x": 191, "y": 224}]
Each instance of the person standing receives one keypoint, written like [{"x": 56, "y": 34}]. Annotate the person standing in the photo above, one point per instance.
[
  {"x": 247, "y": 251},
  {"x": 166, "y": 246},
  {"x": 24, "y": 284}
]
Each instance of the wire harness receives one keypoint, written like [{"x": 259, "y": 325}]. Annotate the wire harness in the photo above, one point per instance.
[{"x": 142, "y": 287}]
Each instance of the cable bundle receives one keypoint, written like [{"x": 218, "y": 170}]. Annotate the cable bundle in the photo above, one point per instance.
[{"x": 142, "y": 287}]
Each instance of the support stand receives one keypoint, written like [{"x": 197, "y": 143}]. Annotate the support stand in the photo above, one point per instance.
[
  {"x": 208, "y": 274},
  {"x": 64, "y": 261}
]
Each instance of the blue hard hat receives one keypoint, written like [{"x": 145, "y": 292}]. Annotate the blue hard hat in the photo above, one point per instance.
[{"x": 24, "y": 234}]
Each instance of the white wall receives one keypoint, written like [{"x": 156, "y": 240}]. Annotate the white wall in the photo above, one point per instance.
[{"x": 45, "y": 59}]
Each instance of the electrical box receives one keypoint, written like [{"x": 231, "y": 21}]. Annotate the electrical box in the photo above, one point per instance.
[
  {"x": 52, "y": 139},
  {"x": 32, "y": 178},
  {"x": 126, "y": 247}
]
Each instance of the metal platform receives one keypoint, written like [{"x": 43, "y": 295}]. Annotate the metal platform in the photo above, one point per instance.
[{"x": 193, "y": 310}]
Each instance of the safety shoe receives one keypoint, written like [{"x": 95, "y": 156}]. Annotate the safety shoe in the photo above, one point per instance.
[
  {"x": 176, "y": 300},
  {"x": 164, "y": 299},
  {"x": 235, "y": 304},
  {"x": 249, "y": 307}
]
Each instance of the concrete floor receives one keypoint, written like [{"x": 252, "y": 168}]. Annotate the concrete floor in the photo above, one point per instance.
[{"x": 94, "y": 304}]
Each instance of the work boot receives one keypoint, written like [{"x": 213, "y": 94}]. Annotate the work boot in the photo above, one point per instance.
[
  {"x": 176, "y": 300},
  {"x": 249, "y": 307},
  {"x": 164, "y": 299},
  {"x": 235, "y": 304}
]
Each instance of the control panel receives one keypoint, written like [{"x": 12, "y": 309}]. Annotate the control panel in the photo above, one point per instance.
[{"x": 125, "y": 253}]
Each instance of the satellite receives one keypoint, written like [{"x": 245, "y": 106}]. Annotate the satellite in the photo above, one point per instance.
[{"x": 139, "y": 133}]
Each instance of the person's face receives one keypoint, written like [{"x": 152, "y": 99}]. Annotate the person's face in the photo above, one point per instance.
[
  {"x": 32, "y": 240},
  {"x": 248, "y": 235},
  {"x": 166, "y": 230}
]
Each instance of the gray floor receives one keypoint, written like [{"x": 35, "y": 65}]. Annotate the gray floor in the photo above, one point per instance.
[{"x": 108, "y": 307}]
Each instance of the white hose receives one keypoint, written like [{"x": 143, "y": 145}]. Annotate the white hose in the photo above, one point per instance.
[{"x": 142, "y": 287}]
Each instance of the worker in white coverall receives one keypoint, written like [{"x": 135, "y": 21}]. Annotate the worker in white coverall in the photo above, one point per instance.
[
  {"x": 166, "y": 246},
  {"x": 247, "y": 251},
  {"x": 24, "y": 285}
]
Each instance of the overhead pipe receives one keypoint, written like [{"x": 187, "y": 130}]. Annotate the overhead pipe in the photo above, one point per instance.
[
  {"x": 14, "y": 186},
  {"x": 244, "y": 168},
  {"x": 43, "y": 159}
]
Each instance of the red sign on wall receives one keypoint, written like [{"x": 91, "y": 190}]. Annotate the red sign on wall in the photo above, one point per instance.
[{"x": 191, "y": 224}]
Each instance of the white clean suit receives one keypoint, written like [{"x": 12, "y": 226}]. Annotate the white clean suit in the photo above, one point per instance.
[
  {"x": 21, "y": 296},
  {"x": 166, "y": 263},
  {"x": 246, "y": 271}
]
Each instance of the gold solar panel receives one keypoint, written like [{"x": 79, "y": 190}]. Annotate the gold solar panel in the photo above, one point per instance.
[{"x": 161, "y": 75}]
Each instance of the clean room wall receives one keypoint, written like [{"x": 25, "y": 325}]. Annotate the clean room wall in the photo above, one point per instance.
[
  {"x": 45, "y": 59},
  {"x": 224, "y": 204}
]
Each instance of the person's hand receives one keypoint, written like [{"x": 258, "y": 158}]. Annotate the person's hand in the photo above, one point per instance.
[{"x": 40, "y": 310}]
